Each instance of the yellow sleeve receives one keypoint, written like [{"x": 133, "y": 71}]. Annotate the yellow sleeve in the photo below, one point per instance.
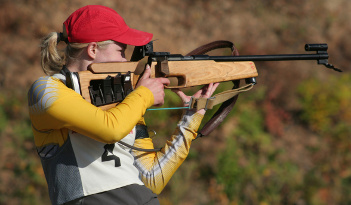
[
  {"x": 53, "y": 106},
  {"x": 157, "y": 168}
]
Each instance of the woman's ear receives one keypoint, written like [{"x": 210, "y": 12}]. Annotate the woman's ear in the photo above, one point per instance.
[{"x": 92, "y": 49}]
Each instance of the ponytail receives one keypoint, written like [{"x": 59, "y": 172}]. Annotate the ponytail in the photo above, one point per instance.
[{"x": 51, "y": 59}]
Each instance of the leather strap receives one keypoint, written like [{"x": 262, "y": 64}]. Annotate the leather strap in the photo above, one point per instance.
[
  {"x": 228, "y": 105},
  {"x": 209, "y": 103},
  {"x": 212, "y": 46}
]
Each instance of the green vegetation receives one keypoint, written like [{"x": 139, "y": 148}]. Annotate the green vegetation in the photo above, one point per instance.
[
  {"x": 326, "y": 105},
  {"x": 22, "y": 180}
]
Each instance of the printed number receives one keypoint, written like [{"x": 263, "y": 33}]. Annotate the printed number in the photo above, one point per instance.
[{"x": 105, "y": 157}]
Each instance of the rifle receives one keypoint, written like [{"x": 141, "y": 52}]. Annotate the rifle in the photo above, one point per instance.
[{"x": 107, "y": 84}]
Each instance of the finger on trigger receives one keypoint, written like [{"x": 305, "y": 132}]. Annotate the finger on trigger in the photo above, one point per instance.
[
  {"x": 164, "y": 81},
  {"x": 147, "y": 72}
]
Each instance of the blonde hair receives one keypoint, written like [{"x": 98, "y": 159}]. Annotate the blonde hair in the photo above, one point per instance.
[{"x": 52, "y": 59}]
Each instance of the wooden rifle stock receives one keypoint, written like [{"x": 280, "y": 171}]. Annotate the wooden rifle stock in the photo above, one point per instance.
[{"x": 182, "y": 74}]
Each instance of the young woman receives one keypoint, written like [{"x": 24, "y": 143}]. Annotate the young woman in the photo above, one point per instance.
[{"x": 78, "y": 143}]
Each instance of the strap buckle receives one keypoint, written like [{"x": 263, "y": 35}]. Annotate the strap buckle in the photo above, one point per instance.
[
  {"x": 190, "y": 102},
  {"x": 208, "y": 99},
  {"x": 194, "y": 103}
]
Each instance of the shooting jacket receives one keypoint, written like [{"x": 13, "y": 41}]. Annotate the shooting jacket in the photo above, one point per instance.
[{"x": 76, "y": 142}]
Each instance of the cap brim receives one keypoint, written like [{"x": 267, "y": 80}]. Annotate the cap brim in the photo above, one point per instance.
[{"x": 134, "y": 37}]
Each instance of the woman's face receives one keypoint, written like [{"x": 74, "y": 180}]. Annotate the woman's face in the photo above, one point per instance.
[{"x": 113, "y": 52}]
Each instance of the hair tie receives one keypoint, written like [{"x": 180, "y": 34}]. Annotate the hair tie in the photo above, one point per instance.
[{"x": 60, "y": 37}]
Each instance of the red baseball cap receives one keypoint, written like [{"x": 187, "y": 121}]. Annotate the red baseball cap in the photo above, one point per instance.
[{"x": 95, "y": 23}]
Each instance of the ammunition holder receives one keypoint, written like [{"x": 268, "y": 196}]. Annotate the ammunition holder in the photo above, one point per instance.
[{"x": 111, "y": 89}]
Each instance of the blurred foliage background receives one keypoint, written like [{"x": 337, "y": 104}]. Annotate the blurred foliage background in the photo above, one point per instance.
[{"x": 287, "y": 141}]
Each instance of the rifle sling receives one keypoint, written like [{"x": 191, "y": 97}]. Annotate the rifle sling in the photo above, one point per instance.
[
  {"x": 209, "y": 103},
  {"x": 227, "y": 105}
]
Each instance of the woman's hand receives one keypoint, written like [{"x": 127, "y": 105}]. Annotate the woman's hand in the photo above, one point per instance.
[
  {"x": 205, "y": 92},
  {"x": 155, "y": 85}
]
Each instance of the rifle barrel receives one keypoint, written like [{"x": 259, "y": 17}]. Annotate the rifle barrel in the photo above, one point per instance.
[
  {"x": 321, "y": 56},
  {"x": 285, "y": 57},
  {"x": 282, "y": 57}
]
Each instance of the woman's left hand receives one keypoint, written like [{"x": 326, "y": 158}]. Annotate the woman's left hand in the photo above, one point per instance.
[{"x": 205, "y": 92}]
